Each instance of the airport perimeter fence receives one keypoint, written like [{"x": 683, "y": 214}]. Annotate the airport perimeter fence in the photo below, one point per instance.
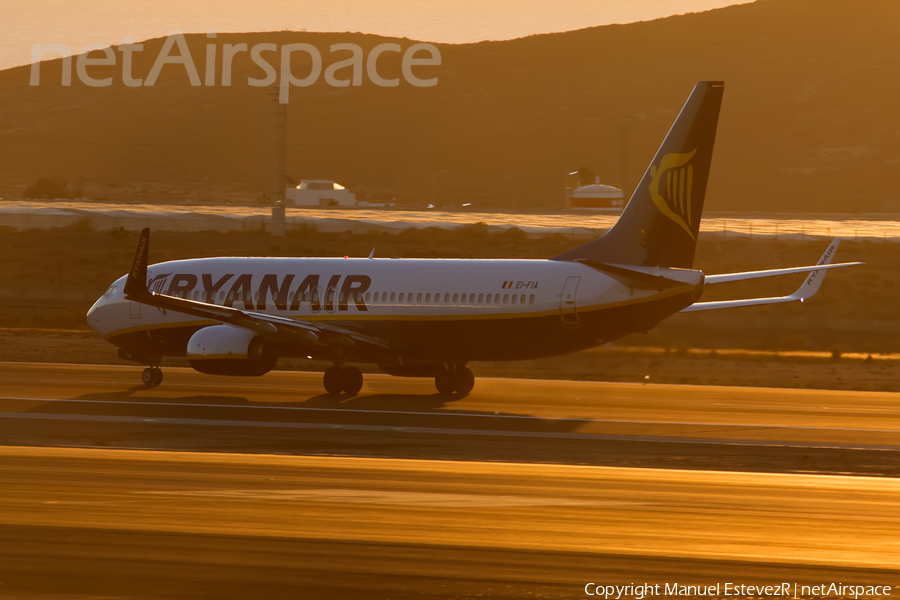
[{"x": 24, "y": 215}]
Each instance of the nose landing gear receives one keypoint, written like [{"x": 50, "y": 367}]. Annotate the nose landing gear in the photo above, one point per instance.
[
  {"x": 152, "y": 377},
  {"x": 348, "y": 380}
]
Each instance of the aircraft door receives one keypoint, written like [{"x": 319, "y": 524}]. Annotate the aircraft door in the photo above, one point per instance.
[
  {"x": 134, "y": 309},
  {"x": 315, "y": 299},
  {"x": 331, "y": 299},
  {"x": 567, "y": 307}
]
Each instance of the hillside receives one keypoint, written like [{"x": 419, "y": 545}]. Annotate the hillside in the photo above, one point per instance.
[{"x": 810, "y": 120}]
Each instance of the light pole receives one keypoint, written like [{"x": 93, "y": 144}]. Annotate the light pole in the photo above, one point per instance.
[
  {"x": 567, "y": 188},
  {"x": 279, "y": 161}
]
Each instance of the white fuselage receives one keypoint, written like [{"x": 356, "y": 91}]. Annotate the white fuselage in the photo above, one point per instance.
[{"x": 407, "y": 293}]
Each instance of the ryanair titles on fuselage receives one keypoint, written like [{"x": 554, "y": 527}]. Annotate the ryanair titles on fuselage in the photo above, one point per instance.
[{"x": 240, "y": 289}]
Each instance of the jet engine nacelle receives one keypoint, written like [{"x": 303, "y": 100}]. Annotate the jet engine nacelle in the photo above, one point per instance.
[{"x": 228, "y": 350}]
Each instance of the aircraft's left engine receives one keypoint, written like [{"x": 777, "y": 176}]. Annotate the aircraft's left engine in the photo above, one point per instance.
[{"x": 228, "y": 350}]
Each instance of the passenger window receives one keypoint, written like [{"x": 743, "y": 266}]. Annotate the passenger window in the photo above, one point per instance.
[
  {"x": 480, "y": 298},
  {"x": 375, "y": 297},
  {"x": 419, "y": 297},
  {"x": 368, "y": 296},
  {"x": 455, "y": 298},
  {"x": 496, "y": 298},
  {"x": 427, "y": 298},
  {"x": 392, "y": 296},
  {"x": 505, "y": 298},
  {"x": 256, "y": 295},
  {"x": 531, "y": 299},
  {"x": 231, "y": 296},
  {"x": 514, "y": 298},
  {"x": 221, "y": 296}
]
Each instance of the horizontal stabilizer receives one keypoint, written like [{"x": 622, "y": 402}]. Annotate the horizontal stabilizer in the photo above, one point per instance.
[
  {"x": 809, "y": 288},
  {"x": 642, "y": 278},
  {"x": 730, "y": 277}
]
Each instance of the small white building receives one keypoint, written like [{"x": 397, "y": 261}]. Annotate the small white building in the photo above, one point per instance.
[
  {"x": 597, "y": 196},
  {"x": 319, "y": 192}
]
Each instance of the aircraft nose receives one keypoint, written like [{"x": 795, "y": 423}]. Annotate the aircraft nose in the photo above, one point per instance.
[{"x": 93, "y": 316}]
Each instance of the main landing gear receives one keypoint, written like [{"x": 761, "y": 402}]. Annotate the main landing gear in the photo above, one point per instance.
[
  {"x": 152, "y": 377},
  {"x": 348, "y": 380},
  {"x": 460, "y": 380}
]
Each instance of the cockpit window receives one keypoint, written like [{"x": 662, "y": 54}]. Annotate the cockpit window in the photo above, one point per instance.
[{"x": 111, "y": 291}]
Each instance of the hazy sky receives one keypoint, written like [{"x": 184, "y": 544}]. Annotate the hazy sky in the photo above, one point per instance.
[{"x": 79, "y": 22}]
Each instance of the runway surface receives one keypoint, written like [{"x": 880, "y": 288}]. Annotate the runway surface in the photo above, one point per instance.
[
  {"x": 160, "y": 524},
  {"x": 503, "y": 419},
  {"x": 675, "y": 411},
  {"x": 540, "y": 487}
]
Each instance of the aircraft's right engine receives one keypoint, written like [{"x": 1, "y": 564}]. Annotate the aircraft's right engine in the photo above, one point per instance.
[{"x": 228, "y": 350}]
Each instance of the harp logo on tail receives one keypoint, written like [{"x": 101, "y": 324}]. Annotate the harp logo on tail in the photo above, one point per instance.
[{"x": 671, "y": 187}]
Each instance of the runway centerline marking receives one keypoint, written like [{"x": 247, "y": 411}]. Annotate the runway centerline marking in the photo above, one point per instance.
[
  {"x": 453, "y": 414},
  {"x": 391, "y": 497}
]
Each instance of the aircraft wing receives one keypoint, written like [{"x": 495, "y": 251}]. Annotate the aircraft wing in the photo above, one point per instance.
[
  {"x": 270, "y": 326},
  {"x": 807, "y": 290}
]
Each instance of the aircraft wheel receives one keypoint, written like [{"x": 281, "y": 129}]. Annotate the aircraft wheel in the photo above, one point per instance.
[
  {"x": 352, "y": 380},
  {"x": 333, "y": 381},
  {"x": 463, "y": 380},
  {"x": 443, "y": 381},
  {"x": 151, "y": 377}
]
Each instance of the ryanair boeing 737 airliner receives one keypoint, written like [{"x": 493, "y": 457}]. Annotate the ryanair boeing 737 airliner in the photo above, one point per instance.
[{"x": 431, "y": 317}]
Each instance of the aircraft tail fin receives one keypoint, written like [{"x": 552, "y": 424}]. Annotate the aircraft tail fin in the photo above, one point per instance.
[{"x": 661, "y": 221}]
